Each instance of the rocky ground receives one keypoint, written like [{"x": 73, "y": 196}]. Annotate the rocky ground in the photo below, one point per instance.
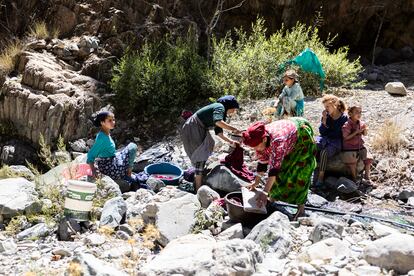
[{"x": 176, "y": 232}]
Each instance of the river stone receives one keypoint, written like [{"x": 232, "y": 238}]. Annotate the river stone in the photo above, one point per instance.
[
  {"x": 234, "y": 232},
  {"x": 17, "y": 196},
  {"x": 173, "y": 218},
  {"x": 381, "y": 230},
  {"x": 35, "y": 232},
  {"x": 368, "y": 270},
  {"x": 410, "y": 201},
  {"x": 325, "y": 250},
  {"x": 272, "y": 234},
  {"x": 155, "y": 184},
  {"x": 346, "y": 186},
  {"x": 405, "y": 195},
  {"x": 79, "y": 145},
  {"x": 206, "y": 195},
  {"x": 395, "y": 251},
  {"x": 221, "y": 178},
  {"x": 93, "y": 266},
  {"x": 95, "y": 239},
  {"x": 137, "y": 203},
  {"x": 326, "y": 228},
  {"x": 396, "y": 88},
  {"x": 8, "y": 247},
  {"x": 316, "y": 200},
  {"x": 202, "y": 255},
  {"x": 23, "y": 171},
  {"x": 113, "y": 212}
]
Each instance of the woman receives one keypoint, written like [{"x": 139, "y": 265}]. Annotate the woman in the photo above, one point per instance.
[
  {"x": 288, "y": 148},
  {"x": 329, "y": 142},
  {"x": 117, "y": 165},
  {"x": 198, "y": 143}
]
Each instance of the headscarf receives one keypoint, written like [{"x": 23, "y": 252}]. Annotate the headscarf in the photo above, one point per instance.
[
  {"x": 291, "y": 74},
  {"x": 101, "y": 117},
  {"x": 254, "y": 134},
  {"x": 228, "y": 102}
]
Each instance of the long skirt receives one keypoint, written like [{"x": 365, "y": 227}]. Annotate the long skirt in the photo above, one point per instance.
[
  {"x": 116, "y": 167},
  {"x": 294, "y": 178},
  {"x": 197, "y": 141}
]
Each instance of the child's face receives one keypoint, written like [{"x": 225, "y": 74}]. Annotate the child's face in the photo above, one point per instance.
[
  {"x": 329, "y": 107},
  {"x": 109, "y": 122},
  {"x": 356, "y": 114},
  {"x": 288, "y": 81}
]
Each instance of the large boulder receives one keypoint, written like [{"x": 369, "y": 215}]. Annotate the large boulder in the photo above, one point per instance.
[
  {"x": 221, "y": 178},
  {"x": 35, "y": 232},
  {"x": 326, "y": 228},
  {"x": 273, "y": 234},
  {"x": 326, "y": 250},
  {"x": 173, "y": 218},
  {"x": 93, "y": 266},
  {"x": 137, "y": 203},
  {"x": 206, "y": 196},
  {"x": 18, "y": 195},
  {"x": 380, "y": 230},
  {"x": 202, "y": 255},
  {"x": 395, "y": 251},
  {"x": 113, "y": 213},
  {"x": 396, "y": 88}
]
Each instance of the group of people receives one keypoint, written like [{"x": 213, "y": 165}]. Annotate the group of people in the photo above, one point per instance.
[{"x": 286, "y": 149}]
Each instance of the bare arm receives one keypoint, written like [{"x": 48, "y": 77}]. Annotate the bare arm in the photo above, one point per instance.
[
  {"x": 353, "y": 134},
  {"x": 225, "y": 125}
]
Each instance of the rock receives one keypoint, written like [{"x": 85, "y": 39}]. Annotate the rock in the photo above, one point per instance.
[
  {"x": 62, "y": 157},
  {"x": 8, "y": 247},
  {"x": 113, "y": 212},
  {"x": 316, "y": 200},
  {"x": 93, "y": 266},
  {"x": 62, "y": 252},
  {"x": 23, "y": 171},
  {"x": 327, "y": 249},
  {"x": 410, "y": 201},
  {"x": 35, "y": 232},
  {"x": 37, "y": 45},
  {"x": 411, "y": 273},
  {"x": 206, "y": 195},
  {"x": 173, "y": 218},
  {"x": 222, "y": 179},
  {"x": 372, "y": 77},
  {"x": 123, "y": 185},
  {"x": 87, "y": 45},
  {"x": 405, "y": 195},
  {"x": 158, "y": 153},
  {"x": 387, "y": 56},
  {"x": 79, "y": 145},
  {"x": 381, "y": 230},
  {"x": 201, "y": 255},
  {"x": 99, "y": 68},
  {"x": 67, "y": 229},
  {"x": 95, "y": 239},
  {"x": 127, "y": 229},
  {"x": 346, "y": 186},
  {"x": 326, "y": 228},
  {"x": 36, "y": 255},
  {"x": 65, "y": 20},
  {"x": 395, "y": 251},
  {"x": 155, "y": 184},
  {"x": 407, "y": 52},
  {"x": 17, "y": 196},
  {"x": 234, "y": 232},
  {"x": 307, "y": 268},
  {"x": 272, "y": 234},
  {"x": 368, "y": 270},
  {"x": 396, "y": 88},
  {"x": 137, "y": 203}
]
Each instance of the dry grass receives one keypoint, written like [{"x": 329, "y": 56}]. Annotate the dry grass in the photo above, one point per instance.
[
  {"x": 74, "y": 269},
  {"x": 9, "y": 56},
  {"x": 39, "y": 30},
  {"x": 150, "y": 235},
  {"x": 6, "y": 172},
  {"x": 55, "y": 32},
  {"x": 389, "y": 138},
  {"x": 106, "y": 231}
]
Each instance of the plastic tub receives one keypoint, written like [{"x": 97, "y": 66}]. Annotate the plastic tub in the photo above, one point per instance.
[
  {"x": 237, "y": 213},
  {"x": 78, "y": 200},
  {"x": 171, "y": 172}
]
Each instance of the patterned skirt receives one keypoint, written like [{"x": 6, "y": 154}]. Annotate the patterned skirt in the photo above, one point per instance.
[
  {"x": 294, "y": 178},
  {"x": 115, "y": 167}
]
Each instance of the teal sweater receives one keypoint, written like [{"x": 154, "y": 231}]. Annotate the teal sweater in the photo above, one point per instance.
[{"x": 104, "y": 147}]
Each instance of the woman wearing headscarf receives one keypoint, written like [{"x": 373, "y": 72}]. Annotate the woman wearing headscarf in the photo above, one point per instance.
[
  {"x": 286, "y": 150},
  {"x": 198, "y": 143}
]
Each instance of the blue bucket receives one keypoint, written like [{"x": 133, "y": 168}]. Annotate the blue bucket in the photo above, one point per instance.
[{"x": 165, "y": 169}]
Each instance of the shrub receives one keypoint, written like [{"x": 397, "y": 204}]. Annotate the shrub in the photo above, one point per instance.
[
  {"x": 161, "y": 78},
  {"x": 9, "y": 55},
  {"x": 248, "y": 65},
  {"x": 39, "y": 30},
  {"x": 389, "y": 138}
]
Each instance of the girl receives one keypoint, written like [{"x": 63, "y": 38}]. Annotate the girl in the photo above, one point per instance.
[
  {"x": 289, "y": 148},
  {"x": 117, "y": 165},
  {"x": 329, "y": 142},
  {"x": 198, "y": 143},
  {"x": 353, "y": 144},
  {"x": 290, "y": 101}
]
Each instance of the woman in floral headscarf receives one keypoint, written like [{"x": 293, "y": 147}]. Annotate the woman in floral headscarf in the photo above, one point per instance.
[{"x": 287, "y": 147}]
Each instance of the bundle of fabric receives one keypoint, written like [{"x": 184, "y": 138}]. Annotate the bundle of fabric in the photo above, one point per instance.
[{"x": 235, "y": 162}]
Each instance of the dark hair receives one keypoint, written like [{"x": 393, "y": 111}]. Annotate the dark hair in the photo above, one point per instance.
[
  {"x": 228, "y": 102},
  {"x": 352, "y": 108},
  {"x": 101, "y": 117}
]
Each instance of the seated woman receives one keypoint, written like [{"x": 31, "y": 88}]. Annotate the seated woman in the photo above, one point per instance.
[
  {"x": 291, "y": 100},
  {"x": 198, "y": 143},
  {"x": 116, "y": 165},
  {"x": 329, "y": 142},
  {"x": 288, "y": 148}
]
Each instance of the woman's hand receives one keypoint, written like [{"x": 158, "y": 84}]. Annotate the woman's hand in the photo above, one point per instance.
[
  {"x": 324, "y": 117},
  {"x": 252, "y": 186},
  {"x": 261, "y": 199}
]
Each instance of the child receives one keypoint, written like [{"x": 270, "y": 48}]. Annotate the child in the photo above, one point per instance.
[
  {"x": 291, "y": 101},
  {"x": 329, "y": 142},
  {"x": 117, "y": 165},
  {"x": 353, "y": 144}
]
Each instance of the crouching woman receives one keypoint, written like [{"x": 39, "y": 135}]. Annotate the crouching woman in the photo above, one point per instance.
[
  {"x": 116, "y": 165},
  {"x": 287, "y": 147}
]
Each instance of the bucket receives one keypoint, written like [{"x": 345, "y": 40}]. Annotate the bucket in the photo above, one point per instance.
[
  {"x": 237, "y": 213},
  {"x": 170, "y": 174},
  {"x": 78, "y": 200}
]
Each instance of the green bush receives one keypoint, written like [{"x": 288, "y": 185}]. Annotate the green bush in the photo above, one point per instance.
[
  {"x": 160, "y": 79},
  {"x": 247, "y": 65}
]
